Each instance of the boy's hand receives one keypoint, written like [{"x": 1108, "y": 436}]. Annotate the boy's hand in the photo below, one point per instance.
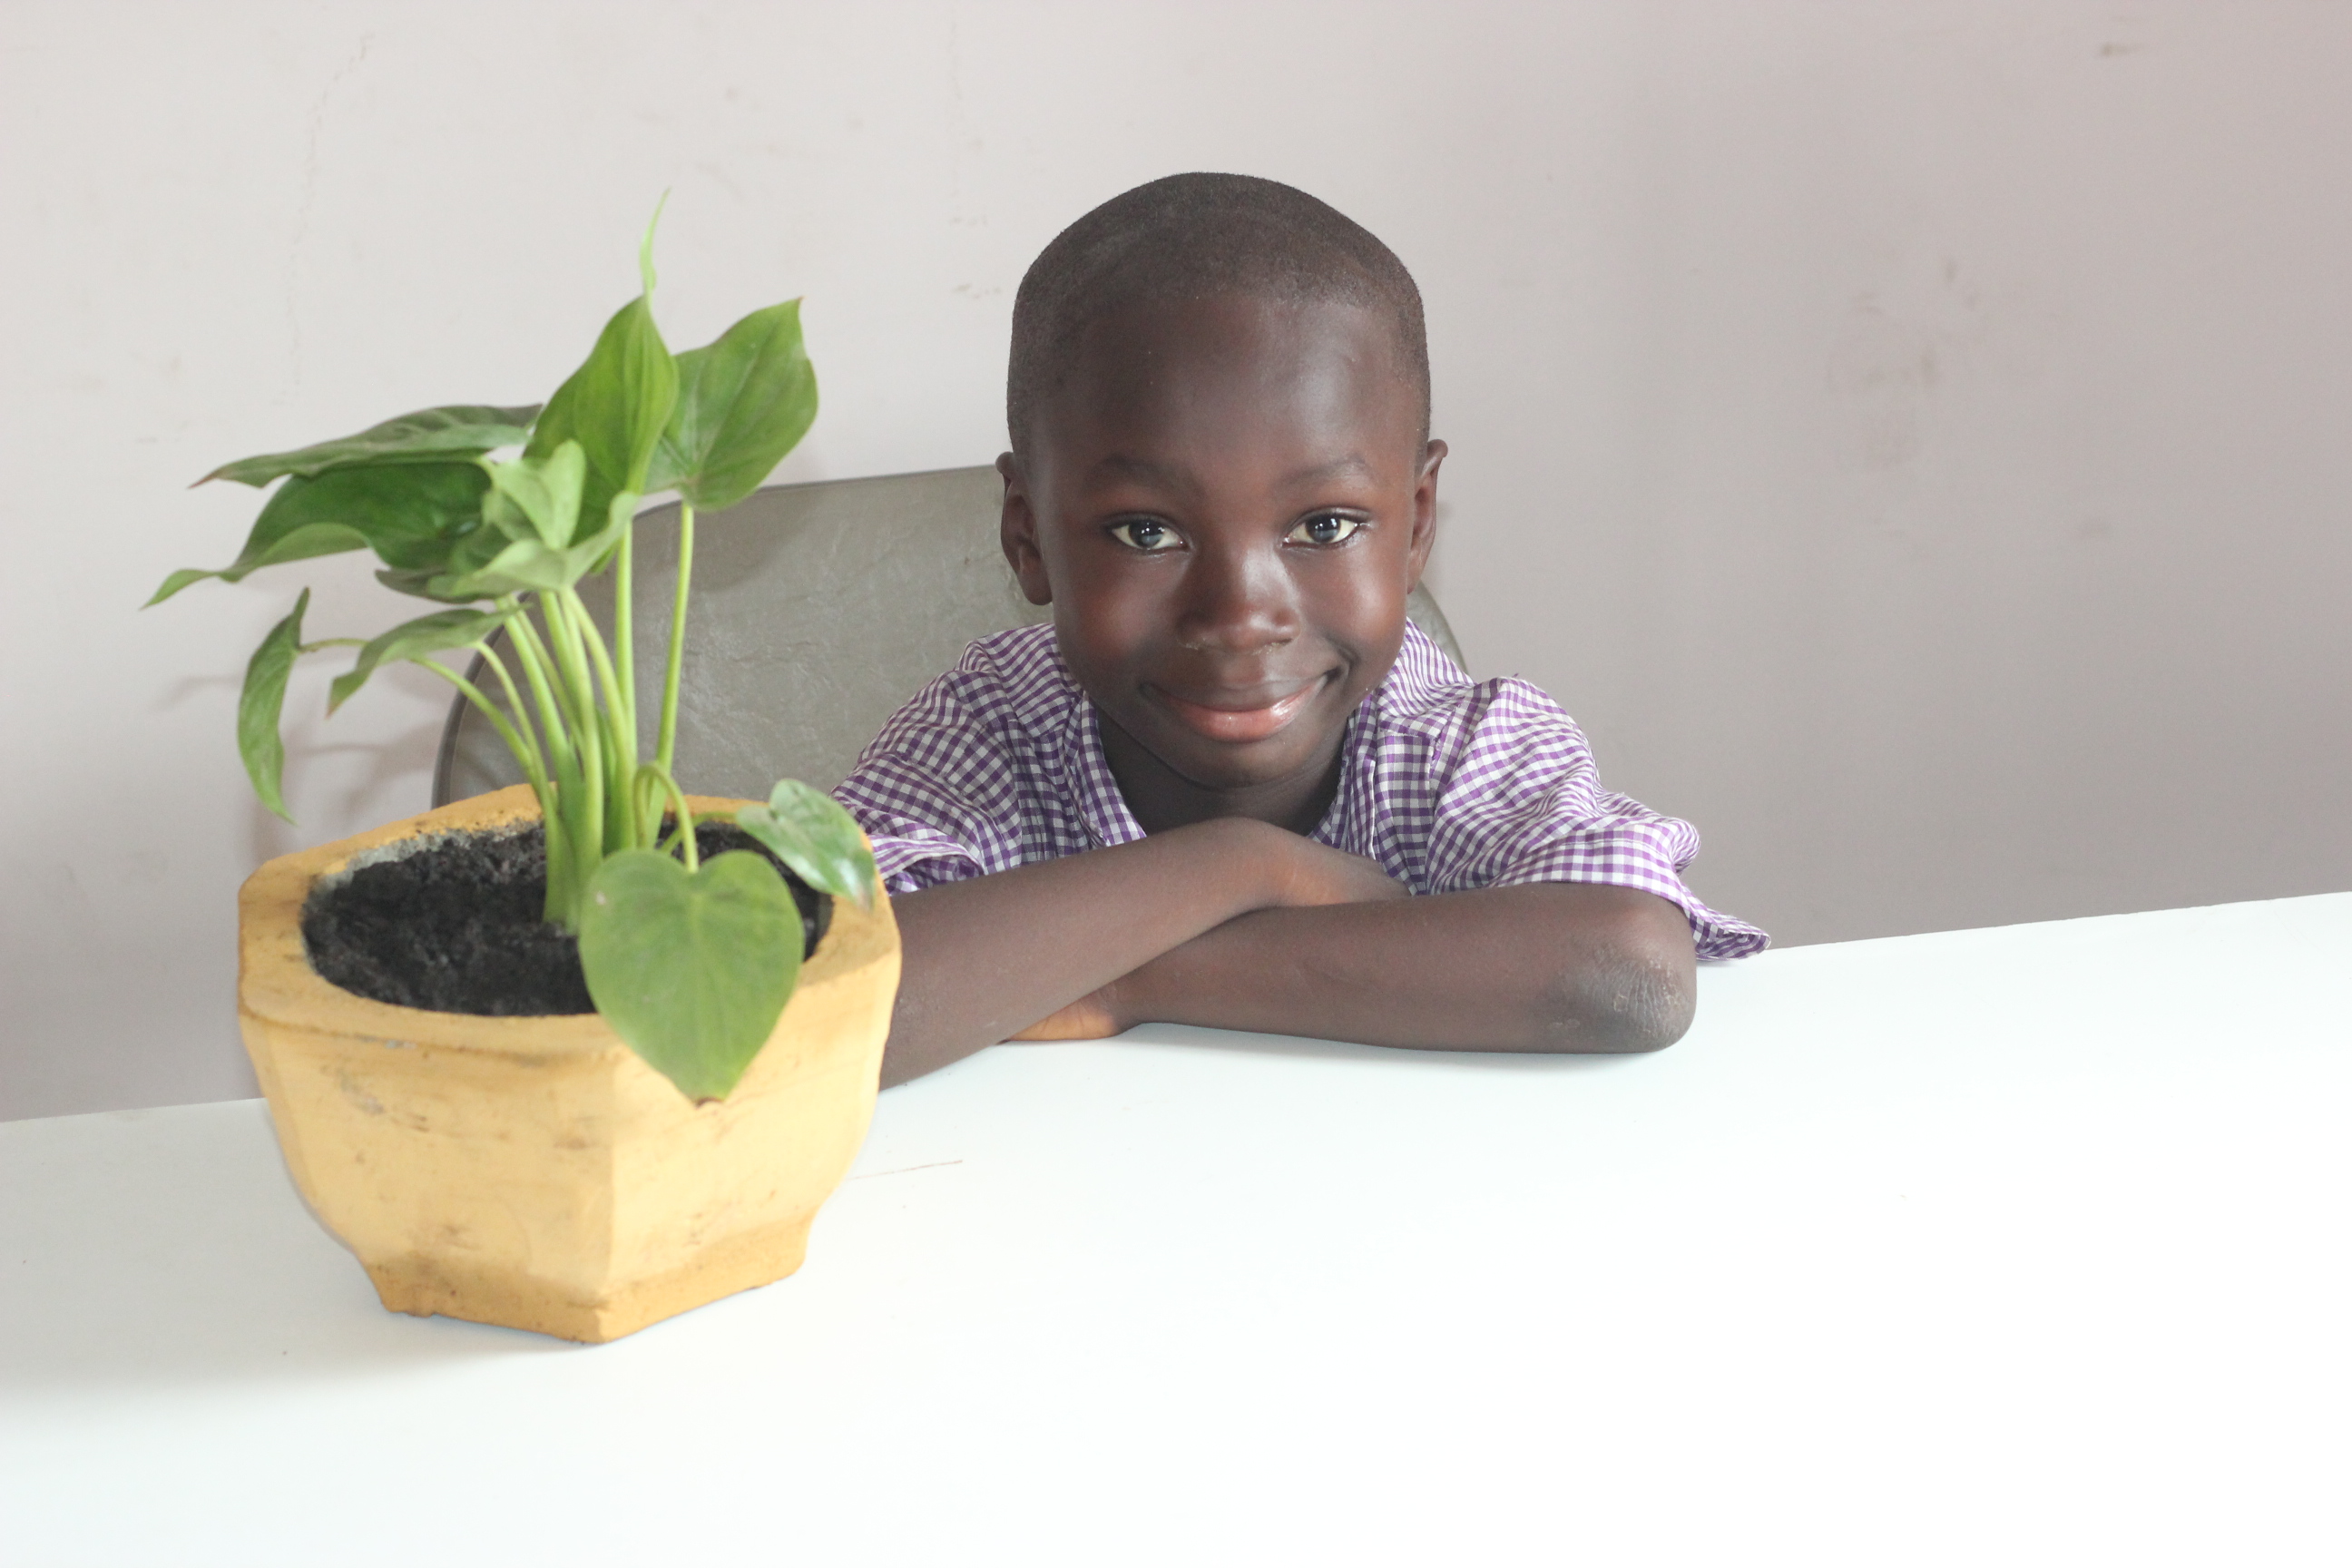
[{"x": 1093, "y": 1016}]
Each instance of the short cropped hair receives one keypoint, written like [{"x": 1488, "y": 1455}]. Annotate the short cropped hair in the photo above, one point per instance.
[{"x": 1194, "y": 237}]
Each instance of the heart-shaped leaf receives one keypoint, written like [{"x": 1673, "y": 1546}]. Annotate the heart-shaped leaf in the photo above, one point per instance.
[
  {"x": 429, "y": 435},
  {"x": 809, "y": 831},
  {"x": 742, "y": 402},
  {"x": 692, "y": 968},
  {"x": 262, "y": 701},
  {"x": 412, "y": 514}
]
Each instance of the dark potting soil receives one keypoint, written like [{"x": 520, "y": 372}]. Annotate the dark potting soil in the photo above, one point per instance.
[{"x": 454, "y": 925}]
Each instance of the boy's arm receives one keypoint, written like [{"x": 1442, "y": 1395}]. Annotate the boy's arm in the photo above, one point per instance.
[
  {"x": 985, "y": 956},
  {"x": 1542, "y": 967}
]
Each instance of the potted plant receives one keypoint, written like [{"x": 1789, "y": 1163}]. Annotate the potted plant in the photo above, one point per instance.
[{"x": 453, "y": 1111}]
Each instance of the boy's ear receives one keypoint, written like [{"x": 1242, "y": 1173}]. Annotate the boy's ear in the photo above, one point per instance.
[
  {"x": 1016, "y": 530},
  {"x": 1425, "y": 513}
]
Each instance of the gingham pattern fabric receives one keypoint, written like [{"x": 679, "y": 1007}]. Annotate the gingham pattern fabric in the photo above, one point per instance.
[{"x": 1449, "y": 783}]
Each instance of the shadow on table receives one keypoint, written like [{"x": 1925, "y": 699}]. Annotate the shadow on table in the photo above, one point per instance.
[{"x": 147, "y": 1249}]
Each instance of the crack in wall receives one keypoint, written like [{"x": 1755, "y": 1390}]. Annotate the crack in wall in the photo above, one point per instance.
[{"x": 318, "y": 125}]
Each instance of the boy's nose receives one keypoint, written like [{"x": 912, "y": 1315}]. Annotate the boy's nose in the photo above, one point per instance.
[{"x": 1237, "y": 600}]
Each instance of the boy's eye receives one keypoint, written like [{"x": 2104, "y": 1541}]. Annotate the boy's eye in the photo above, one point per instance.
[
  {"x": 1324, "y": 528},
  {"x": 1145, "y": 533}
]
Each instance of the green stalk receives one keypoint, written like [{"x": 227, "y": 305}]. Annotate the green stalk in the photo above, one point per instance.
[
  {"x": 524, "y": 751},
  {"x": 538, "y": 668},
  {"x": 580, "y": 797},
  {"x": 629, "y": 827},
  {"x": 624, "y": 639},
  {"x": 565, "y": 884},
  {"x": 563, "y": 900},
  {"x": 620, "y": 737},
  {"x": 587, "y": 813},
  {"x": 667, "y": 754},
  {"x": 534, "y": 761},
  {"x": 685, "y": 833}
]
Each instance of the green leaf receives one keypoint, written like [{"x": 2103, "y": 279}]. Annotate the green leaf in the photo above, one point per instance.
[
  {"x": 645, "y": 247},
  {"x": 429, "y": 435},
  {"x": 303, "y": 543},
  {"x": 484, "y": 571},
  {"x": 414, "y": 639},
  {"x": 411, "y": 514},
  {"x": 810, "y": 832},
  {"x": 616, "y": 406},
  {"x": 742, "y": 402},
  {"x": 262, "y": 703},
  {"x": 541, "y": 494},
  {"x": 692, "y": 968}
]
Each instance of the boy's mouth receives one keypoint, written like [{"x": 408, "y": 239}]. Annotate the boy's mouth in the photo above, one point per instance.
[{"x": 1234, "y": 724}]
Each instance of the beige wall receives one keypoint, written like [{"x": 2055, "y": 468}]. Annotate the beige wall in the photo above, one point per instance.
[{"x": 1913, "y": 438}]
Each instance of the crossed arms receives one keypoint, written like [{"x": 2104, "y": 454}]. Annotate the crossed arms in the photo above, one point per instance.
[{"x": 1241, "y": 924}]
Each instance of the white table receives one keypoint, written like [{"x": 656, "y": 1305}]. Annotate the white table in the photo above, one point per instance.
[{"x": 2025, "y": 1244}]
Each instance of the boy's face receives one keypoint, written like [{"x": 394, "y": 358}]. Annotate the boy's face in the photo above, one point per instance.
[{"x": 1227, "y": 505}]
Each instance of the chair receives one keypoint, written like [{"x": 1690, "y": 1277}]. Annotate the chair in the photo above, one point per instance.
[{"x": 817, "y": 610}]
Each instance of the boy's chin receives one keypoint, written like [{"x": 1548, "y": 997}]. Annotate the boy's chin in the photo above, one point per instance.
[{"x": 1218, "y": 754}]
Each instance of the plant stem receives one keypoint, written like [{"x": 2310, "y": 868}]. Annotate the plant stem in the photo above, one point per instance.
[
  {"x": 621, "y": 828},
  {"x": 582, "y": 799},
  {"x": 525, "y": 752},
  {"x": 565, "y": 883},
  {"x": 685, "y": 833},
  {"x": 665, "y": 755},
  {"x": 534, "y": 759},
  {"x": 538, "y": 668},
  {"x": 588, "y": 813},
  {"x": 624, "y": 646}
]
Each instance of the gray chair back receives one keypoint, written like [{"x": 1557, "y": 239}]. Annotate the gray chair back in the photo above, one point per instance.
[{"x": 817, "y": 611}]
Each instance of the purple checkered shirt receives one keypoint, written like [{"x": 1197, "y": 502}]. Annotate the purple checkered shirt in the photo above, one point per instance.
[{"x": 1449, "y": 783}]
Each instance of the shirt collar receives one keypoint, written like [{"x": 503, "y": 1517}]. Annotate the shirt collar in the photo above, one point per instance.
[
  {"x": 1103, "y": 811},
  {"x": 1086, "y": 776}
]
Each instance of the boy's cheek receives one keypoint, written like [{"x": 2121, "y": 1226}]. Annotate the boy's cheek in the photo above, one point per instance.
[{"x": 1102, "y": 621}]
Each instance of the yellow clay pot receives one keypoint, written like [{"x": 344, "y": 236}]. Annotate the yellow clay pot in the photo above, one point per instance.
[{"x": 533, "y": 1172}]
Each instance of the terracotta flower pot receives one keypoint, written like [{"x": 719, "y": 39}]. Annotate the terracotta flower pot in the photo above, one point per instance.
[{"x": 533, "y": 1172}]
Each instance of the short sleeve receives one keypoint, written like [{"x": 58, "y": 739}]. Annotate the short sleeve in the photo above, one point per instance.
[
  {"x": 934, "y": 793},
  {"x": 1518, "y": 800}
]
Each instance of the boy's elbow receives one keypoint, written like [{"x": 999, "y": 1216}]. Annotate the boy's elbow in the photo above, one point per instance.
[
  {"x": 1639, "y": 993},
  {"x": 1653, "y": 1012}
]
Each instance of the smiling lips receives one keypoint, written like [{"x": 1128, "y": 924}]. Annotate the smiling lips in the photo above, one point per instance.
[{"x": 1238, "y": 724}]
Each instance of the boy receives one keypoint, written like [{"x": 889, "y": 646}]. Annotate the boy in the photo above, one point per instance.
[{"x": 1295, "y": 814}]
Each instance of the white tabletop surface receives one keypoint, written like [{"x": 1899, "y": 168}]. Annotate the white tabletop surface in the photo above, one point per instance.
[{"x": 2023, "y": 1244}]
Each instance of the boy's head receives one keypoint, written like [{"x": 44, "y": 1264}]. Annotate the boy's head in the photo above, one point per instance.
[
  {"x": 1222, "y": 480},
  {"x": 1197, "y": 236}
]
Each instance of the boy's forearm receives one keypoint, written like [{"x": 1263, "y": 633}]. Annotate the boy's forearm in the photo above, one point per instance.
[
  {"x": 985, "y": 957},
  {"x": 1540, "y": 967}
]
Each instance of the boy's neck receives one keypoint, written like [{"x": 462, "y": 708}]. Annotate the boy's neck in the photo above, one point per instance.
[{"x": 1162, "y": 798}]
